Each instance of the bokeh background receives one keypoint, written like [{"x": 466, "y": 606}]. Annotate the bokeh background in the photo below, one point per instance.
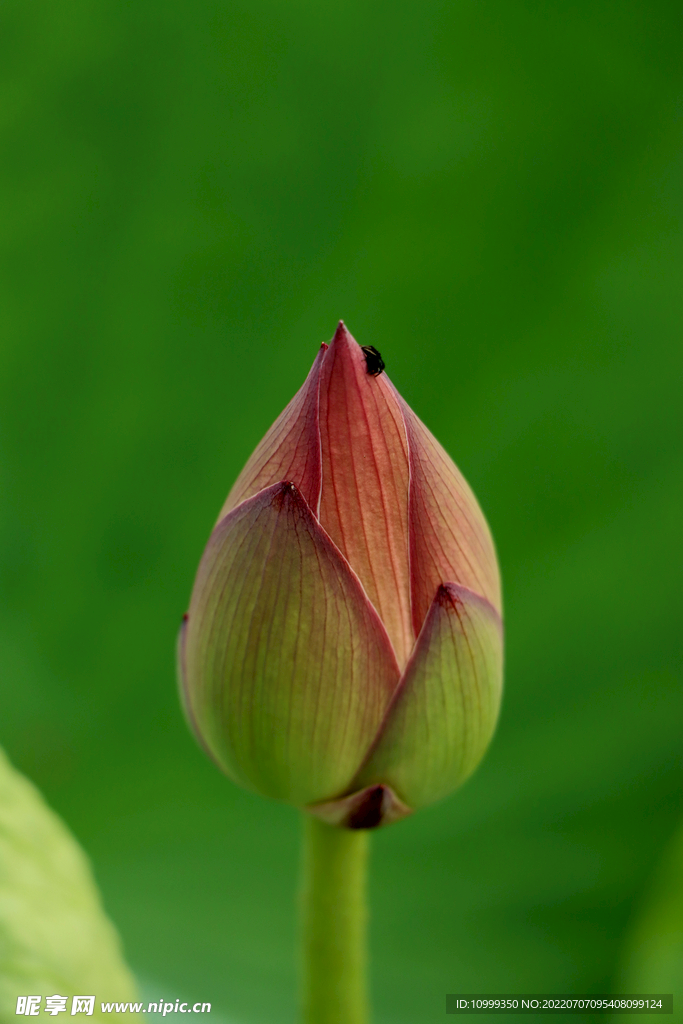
[{"x": 488, "y": 191}]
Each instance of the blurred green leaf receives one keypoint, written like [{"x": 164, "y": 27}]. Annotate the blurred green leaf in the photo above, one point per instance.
[
  {"x": 654, "y": 956},
  {"x": 55, "y": 938}
]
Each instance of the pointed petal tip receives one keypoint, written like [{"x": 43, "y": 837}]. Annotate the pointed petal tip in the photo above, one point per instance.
[
  {"x": 455, "y": 595},
  {"x": 278, "y": 489},
  {"x": 342, "y": 335},
  {"x": 285, "y": 491}
]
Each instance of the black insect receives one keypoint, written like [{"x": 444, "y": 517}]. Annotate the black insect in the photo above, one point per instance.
[{"x": 373, "y": 360}]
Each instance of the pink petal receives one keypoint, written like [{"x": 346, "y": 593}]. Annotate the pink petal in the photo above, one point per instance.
[
  {"x": 364, "y": 499},
  {"x": 449, "y": 536},
  {"x": 289, "y": 451},
  {"x": 287, "y": 667}
]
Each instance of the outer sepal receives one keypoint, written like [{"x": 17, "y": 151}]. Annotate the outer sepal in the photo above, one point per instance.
[
  {"x": 444, "y": 711},
  {"x": 287, "y": 668}
]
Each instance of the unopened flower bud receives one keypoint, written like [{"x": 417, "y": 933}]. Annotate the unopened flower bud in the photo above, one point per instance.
[{"x": 343, "y": 645}]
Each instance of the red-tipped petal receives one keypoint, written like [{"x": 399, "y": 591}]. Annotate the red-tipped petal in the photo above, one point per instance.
[
  {"x": 288, "y": 668},
  {"x": 449, "y": 536},
  {"x": 289, "y": 451},
  {"x": 364, "y": 498},
  {"x": 444, "y": 712}
]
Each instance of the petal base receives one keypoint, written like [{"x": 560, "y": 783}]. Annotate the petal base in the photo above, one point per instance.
[{"x": 371, "y": 807}]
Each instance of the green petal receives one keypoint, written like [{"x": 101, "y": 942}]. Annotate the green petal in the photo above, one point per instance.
[
  {"x": 288, "y": 670},
  {"x": 444, "y": 712},
  {"x": 54, "y": 936}
]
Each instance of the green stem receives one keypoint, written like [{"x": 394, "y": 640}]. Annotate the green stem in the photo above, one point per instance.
[{"x": 334, "y": 918}]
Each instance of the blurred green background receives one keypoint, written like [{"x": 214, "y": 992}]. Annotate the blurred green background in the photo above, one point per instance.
[{"x": 490, "y": 193}]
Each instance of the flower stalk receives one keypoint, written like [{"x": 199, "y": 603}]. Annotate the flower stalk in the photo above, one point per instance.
[{"x": 334, "y": 924}]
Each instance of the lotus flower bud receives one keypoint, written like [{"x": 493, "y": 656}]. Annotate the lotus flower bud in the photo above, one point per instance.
[{"x": 343, "y": 645}]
